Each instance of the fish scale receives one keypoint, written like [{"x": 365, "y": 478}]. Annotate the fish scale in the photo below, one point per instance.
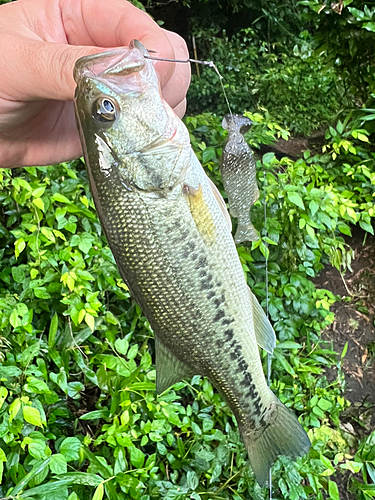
[
  {"x": 167, "y": 227},
  {"x": 161, "y": 242}
]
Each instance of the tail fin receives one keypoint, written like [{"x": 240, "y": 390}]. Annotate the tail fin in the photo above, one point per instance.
[
  {"x": 284, "y": 435},
  {"x": 246, "y": 232}
]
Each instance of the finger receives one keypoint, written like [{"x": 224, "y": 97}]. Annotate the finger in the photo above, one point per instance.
[
  {"x": 175, "y": 89},
  {"x": 114, "y": 23},
  {"x": 41, "y": 70}
]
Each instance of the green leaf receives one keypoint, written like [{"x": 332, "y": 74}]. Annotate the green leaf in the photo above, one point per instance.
[
  {"x": 37, "y": 449},
  {"x": 14, "y": 408},
  {"x": 86, "y": 242},
  {"x": 324, "y": 404},
  {"x": 351, "y": 213},
  {"x": 268, "y": 158},
  {"x": 133, "y": 351},
  {"x": 333, "y": 491},
  {"x": 208, "y": 154},
  {"x": 47, "y": 488},
  {"x": 37, "y": 469},
  {"x": 90, "y": 321},
  {"x": 314, "y": 207},
  {"x": 142, "y": 386},
  {"x": 366, "y": 227},
  {"x": 41, "y": 293},
  {"x": 53, "y": 330},
  {"x": 38, "y": 192},
  {"x": 32, "y": 416},
  {"x": 122, "y": 345},
  {"x": 19, "y": 273},
  {"x": 344, "y": 228},
  {"x": 58, "y": 464},
  {"x": 95, "y": 415},
  {"x": 3, "y": 395},
  {"x": 99, "y": 492},
  {"x": 310, "y": 231},
  {"x": 288, "y": 344},
  {"x": 137, "y": 457},
  {"x": 360, "y": 136},
  {"x": 29, "y": 354},
  {"x": 36, "y": 385},
  {"x": 296, "y": 199},
  {"x": 70, "y": 448},
  {"x": 19, "y": 246},
  {"x": 38, "y": 202},
  {"x": 85, "y": 478},
  {"x": 192, "y": 480},
  {"x": 61, "y": 198}
]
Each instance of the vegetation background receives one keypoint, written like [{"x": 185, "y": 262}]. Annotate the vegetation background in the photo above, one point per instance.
[{"x": 79, "y": 417}]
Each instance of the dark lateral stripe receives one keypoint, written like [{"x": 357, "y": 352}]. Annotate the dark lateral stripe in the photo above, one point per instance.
[{"x": 220, "y": 314}]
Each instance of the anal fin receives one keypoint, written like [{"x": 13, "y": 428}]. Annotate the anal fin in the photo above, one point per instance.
[
  {"x": 264, "y": 332},
  {"x": 169, "y": 369}
]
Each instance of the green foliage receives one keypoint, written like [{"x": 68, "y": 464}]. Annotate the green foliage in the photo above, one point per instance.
[
  {"x": 258, "y": 76},
  {"x": 364, "y": 462},
  {"x": 345, "y": 40}
]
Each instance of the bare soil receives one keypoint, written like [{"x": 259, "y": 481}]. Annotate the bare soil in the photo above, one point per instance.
[{"x": 354, "y": 325}]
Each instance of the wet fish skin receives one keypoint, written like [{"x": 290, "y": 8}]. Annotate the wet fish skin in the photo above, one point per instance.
[
  {"x": 174, "y": 249},
  {"x": 238, "y": 173}
]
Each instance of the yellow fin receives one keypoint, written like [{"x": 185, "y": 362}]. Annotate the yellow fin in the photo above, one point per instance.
[{"x": 201, "y": 213}]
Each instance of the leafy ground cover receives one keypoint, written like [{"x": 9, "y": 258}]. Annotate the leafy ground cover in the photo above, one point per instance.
[{"x": 79, "y": 418}]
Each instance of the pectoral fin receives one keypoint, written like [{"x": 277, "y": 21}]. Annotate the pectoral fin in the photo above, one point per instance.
[
  {"x": 169, "y": 369},
  {"x": 264, "y": 332}
]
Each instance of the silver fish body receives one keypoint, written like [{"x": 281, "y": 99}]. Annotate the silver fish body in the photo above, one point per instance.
[
  {"x": 238, "y": 173},
  {"x": 168, "y": 231}
]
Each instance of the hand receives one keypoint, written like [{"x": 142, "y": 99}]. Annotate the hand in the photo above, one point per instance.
[{"x": 39, "y": 44}]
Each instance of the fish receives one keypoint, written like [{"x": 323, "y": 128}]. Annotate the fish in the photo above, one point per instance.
[
  {"x": 238, "y": 172},
  {"x": 169, "y": 231}
]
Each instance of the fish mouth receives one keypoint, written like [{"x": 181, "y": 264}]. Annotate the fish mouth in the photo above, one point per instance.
[
  {"x": 123, "y": 70},
  {"x": 123, "y": 73},
  {"x": 109, "y": 63}
]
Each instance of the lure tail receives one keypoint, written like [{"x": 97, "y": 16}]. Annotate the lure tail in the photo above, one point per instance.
[
  {"x": 283, "y": 435},
  {"x": 246, "y": 232}
]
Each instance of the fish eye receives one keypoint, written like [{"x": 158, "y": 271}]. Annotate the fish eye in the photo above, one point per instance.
[{"x": 105, "y": 110}]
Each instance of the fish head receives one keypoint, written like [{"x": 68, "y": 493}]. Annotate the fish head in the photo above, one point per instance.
[
  {"x": 123, "y": 121},
  {"x": 236, "y": 123}
]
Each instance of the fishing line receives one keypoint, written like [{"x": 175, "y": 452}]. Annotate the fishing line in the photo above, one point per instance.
[
  {"x": 269, "y": 356},
  {"x": 211, "y": 64}
]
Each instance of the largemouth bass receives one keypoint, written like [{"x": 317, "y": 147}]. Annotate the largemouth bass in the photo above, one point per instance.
[
  {"x": 239, "y": 176},
  {"x": 167, "y": 227}
]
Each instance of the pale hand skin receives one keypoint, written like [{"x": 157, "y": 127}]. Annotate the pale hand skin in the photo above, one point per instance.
[{"x": 40, "y": 40}]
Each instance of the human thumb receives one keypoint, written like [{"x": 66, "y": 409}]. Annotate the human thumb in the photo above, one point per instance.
[{"x": 44, "y": 70}]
